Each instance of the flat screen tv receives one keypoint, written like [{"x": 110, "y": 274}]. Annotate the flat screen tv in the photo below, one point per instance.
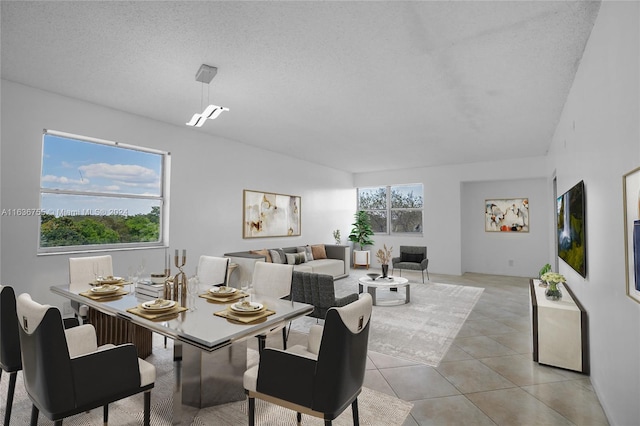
[{"x": 572, "y": 242}]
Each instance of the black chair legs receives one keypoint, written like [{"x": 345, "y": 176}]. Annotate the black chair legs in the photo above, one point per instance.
[
  {"x": 252, "y": 411},
  {"x": 284, "y": 338},
  {"x": 262, "y": 343},
  {"x": 354, "y": 410},
  {"x": 299, "y": 417},
  {"x": 10, "y": 391},
  {"x": 147, "y": 408},
  {"x": 34, "y": 415},
  {"x": 105, "y": 414}
]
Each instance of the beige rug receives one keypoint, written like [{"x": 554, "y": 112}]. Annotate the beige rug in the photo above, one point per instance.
[
  {"x": 375, "y": 408},
  {"x": 422, "y": 330}
]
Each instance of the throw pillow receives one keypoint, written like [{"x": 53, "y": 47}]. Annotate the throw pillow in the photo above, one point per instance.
[
  {"x": 411, "y": 257},
  {"x": 277, "y": 256},
  {"x": 295, "y": 258},
  {"x": 307, "y": 252},
  {"x": 318, "y": 251},
  {"x": 263, "y": 252}
]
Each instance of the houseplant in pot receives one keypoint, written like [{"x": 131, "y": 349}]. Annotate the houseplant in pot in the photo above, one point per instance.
[{"x": 361, "y": 237}]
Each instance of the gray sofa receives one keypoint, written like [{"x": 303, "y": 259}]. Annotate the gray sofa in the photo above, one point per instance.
[
  {"x": 317, "y": 290},
  {"x": 337, "y": 263}
]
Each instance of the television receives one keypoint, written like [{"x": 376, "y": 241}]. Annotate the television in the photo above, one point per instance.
[{"x": 572, "y": 241}]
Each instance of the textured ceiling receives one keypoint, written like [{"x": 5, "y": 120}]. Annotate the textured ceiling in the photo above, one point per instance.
[{"x": 358, "y": 86}]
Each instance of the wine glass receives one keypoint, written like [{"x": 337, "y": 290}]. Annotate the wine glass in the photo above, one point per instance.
[
  {"x": 245, "y": 286},
  {"x": 193, "y": 288}
]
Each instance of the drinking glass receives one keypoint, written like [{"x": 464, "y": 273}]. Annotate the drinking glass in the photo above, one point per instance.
[
  {"x": 245, "y": 286},
  {"x": 193, "y": 288}
]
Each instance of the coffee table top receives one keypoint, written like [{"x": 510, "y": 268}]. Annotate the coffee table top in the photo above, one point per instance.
[{"x": 383, "y": 282}]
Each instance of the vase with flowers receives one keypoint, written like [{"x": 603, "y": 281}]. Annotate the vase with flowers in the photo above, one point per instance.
[
  {"x": 553, "y": 279},
  {"x": 384, "y": 256}
]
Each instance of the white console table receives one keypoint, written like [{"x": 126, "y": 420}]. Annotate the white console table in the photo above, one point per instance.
[{"x": 559, "y": 329}]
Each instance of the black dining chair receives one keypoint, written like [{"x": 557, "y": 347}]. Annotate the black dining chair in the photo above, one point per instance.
[
  {"x": 10, "y": 359},
  {"x": 323, "y": 378},
  {"x": 65, "y": 373}
]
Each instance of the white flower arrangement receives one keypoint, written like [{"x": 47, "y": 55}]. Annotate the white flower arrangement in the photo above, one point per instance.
[{"x": 553, "y": 278}]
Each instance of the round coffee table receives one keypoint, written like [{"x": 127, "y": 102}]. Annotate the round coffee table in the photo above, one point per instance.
[{"x": 386, "y": 283}]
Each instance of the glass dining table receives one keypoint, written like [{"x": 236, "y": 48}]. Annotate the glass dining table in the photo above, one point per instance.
[{"x": 209, "y": 351}]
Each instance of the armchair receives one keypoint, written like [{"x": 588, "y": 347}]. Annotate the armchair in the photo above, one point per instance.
[
  {"x": 323, "y": 378},
  {"x": 59, "y": 366},
  {"x": 317, "y": 290},
  {"x": 413, "y": 258}
]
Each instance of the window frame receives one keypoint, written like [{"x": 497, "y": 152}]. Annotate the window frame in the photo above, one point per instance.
[
  {"x": 162, "y": 199},
  {"x": 388, "y": 210}
]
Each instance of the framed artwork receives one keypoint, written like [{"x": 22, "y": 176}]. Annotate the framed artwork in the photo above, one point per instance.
[
  {"x": 506, "y": 215},
  {"x": 572, "y": 239},
  {"x": 267, "y": 214},
  {"x": 631, "y": 198}
]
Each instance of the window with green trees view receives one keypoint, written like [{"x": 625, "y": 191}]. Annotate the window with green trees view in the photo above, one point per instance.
[
  {"x": 393, "y": 209},
  {"x": 98, "y": 194}
]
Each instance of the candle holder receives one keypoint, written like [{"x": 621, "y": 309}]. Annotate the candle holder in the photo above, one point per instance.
[{"x": 180, "y": 281}]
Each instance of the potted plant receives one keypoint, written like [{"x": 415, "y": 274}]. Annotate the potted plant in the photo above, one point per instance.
[
  {"x": 336, "y": 236},
  {"x": 553, "y": 279},
  {"x": 384, "y": 256},
  {"x": 361, "y": 235}
]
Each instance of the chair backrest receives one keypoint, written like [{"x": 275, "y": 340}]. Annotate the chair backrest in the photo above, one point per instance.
[
  {"x": 315, "y": 289},
  {"x": 413, "y": 253},
  {"x": 213, "y": 270},
  {"x": 46, "y": 364},
  {"x": 342, "y": 357},
  {"x": 83, "y": 270},
  {"x": 10, "y": 359},
  {"x": 272, "y": 279}
]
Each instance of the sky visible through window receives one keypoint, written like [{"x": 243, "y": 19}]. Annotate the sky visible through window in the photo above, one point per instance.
[{"x": 95, "y": 168}]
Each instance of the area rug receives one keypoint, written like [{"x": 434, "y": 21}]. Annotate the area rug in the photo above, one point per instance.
[
  {"x": 422, "y": 330},
  {"x": 375, "y": 408}
]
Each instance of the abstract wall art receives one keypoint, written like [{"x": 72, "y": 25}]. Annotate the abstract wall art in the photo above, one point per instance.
[
  {"x": 506, "y": 215},
  {"x": 266, "y": 214},
  {"x": 631, "y": 195}
]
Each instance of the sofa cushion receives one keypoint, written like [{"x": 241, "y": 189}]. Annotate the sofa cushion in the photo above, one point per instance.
[
  {"x": 277, "y": 256},
  {"x": 411, "y": 257},
  {"x": 295, "y": 258},
  {"x": 318, "y": 251},
  {"x": 333, "y": 267},
  {"x": 307, "y": 252},
  {"x": 263, "y": 252}
]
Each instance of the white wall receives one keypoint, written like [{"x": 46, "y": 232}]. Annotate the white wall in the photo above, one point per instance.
[
  {"x": 443, "y": 212},
  {"x": 208, "y": 177},
  {"x": 598, "y": 140},
  {"x": 505, "y": 253}
]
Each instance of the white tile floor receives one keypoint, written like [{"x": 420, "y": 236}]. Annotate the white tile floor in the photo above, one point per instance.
[{"x": 488, "y": 376}]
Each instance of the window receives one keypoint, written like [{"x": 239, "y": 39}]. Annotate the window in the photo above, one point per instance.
[
  {"x": 97, "y": 195},
  {"x": 393, "y": 209}
]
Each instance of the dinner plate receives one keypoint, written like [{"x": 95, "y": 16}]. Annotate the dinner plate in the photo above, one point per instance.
[
  {"x": 158, "y": 305},
  {"x": 242, "y": 308},
  {"x": 105, "y": 289},
  {"x": 222, "y": 291},
  {"x": 110, "y": 280}
]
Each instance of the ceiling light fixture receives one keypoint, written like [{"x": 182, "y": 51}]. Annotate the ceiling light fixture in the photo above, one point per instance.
[{"x": 204, "y": 75}]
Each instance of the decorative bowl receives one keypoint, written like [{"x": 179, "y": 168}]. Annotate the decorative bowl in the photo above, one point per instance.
[
  {"x": 373, "y": 275},
  {"x": 158, "y": 278}
]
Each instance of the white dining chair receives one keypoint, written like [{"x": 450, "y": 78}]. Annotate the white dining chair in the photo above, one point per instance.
[
  {"x": 83, "y": 271},
  {"x": 272, "y": 280},
  {"x": 212, "y": 270}
]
